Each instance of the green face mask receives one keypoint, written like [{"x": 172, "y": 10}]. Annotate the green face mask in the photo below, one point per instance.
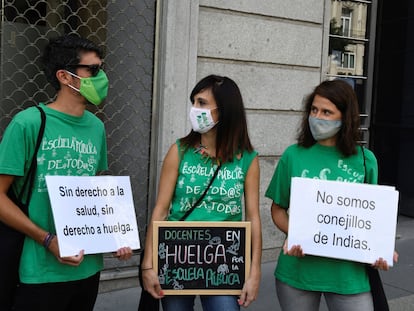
[{"x": 94, "y": 89}]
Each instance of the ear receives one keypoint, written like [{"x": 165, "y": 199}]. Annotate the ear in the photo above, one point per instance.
[{"x": 63, "y": 77}]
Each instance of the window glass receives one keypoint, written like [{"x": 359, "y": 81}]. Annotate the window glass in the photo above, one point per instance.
[{"x": 349, "y": 38}]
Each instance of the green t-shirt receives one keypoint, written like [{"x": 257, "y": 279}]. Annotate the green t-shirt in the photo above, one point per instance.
[
  {"x": 327, "y": 163},
  {"x": 70, "y": 146},
  {"x": 223, "y": 201}
]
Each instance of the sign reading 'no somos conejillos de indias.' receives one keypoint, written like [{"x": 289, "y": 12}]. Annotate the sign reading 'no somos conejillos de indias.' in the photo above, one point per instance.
[{"x": 343, "y": 220}]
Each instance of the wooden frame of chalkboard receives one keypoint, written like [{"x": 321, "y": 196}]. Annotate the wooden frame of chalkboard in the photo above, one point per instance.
[{"x": 202, "y": 257}]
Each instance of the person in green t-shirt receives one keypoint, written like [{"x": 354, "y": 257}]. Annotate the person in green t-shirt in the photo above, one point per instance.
[
  {"x": 73, "y": 143},
  {"x": 327, "y": 149},
  {"x": 218, "y": 140}
]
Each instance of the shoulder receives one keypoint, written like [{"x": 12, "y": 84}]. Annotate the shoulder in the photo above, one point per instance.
[
  {"x": 293, "y": 150},
  {"x": 27, "y": 115},
  {"x": 183, "y": 149},
  {"x": 91, "y": 117},
  {"x": 173, "y": 152},
  {"x": 27, "y": 120},
  {"x": 250, "y": 154},
  {"x": 175, "y": 147},
  {"x": 246, "y": 159},
  {"x": 367, "y": 153},
  {"x": 369, "y": 156},
  {"x": 177, "y": 144},
  {"x": 172, "y": 158}
]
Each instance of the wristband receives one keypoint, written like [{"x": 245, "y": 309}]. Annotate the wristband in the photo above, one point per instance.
[
  {"x": 48, "y": 238},
  {"x": 142, "y": 269}
]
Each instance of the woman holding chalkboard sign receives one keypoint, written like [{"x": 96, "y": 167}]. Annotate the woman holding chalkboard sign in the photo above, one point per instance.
[
  {"x": 327, "y": 149},
  {"x": 218, "y": 141}
]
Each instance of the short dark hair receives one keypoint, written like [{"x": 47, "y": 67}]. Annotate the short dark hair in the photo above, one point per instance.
[
  {"x": 340, "y": 93},
  {"x": 64, "y": 50},
  {"x": 232, "y": 134}
]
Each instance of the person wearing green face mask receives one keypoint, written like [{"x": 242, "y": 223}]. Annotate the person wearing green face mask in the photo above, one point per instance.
[{"x": 74, "y": 143}]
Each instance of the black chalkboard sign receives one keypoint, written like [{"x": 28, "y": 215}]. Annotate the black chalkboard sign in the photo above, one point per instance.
[{"x": 208, "y": 258}]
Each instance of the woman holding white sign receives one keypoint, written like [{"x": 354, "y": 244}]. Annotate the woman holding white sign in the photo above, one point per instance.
[
  {"x": 218, "y": 148},
  {"x": 327, "y": 149}
]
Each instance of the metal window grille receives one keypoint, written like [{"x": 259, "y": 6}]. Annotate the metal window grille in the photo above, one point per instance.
[{"x": 125, "y": 31}]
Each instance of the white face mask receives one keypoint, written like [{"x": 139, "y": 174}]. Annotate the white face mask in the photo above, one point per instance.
[{"x": 201, "y": 120}]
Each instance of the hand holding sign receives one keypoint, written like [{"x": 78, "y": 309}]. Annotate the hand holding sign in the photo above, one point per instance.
[{"x": 295, "y": 250}]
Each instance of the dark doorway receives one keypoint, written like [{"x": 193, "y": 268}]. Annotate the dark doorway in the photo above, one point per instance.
[{"x": 392, "y": 135}]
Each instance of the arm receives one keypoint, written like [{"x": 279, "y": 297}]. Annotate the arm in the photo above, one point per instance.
[
  {"x": 372, "y": 178},
  {"x": 251, "y": 193},
  {"x": 13, "y": 216},
  {"x": 280, "y": 217},
  {"x": 168, "y": 179},
  {"x": 281, "y": 220}
]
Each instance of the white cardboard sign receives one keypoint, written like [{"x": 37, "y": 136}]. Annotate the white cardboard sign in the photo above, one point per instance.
[
  {"x": 93, "y": 213},
  {"x": 349, "y": 221}
]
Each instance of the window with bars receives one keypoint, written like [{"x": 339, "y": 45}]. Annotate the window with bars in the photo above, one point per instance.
[{"x": 125, "y": 31}]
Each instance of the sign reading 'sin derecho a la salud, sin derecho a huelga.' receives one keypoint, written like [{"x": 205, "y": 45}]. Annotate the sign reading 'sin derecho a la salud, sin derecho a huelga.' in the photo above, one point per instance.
[
  {"x": 201, "y": 257},
  {"x": 93, "y": 213}
]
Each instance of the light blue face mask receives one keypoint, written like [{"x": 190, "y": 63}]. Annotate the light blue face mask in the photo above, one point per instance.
[{"x": 322, "y": 129}]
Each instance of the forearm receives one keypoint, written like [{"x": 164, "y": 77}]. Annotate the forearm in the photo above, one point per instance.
[
  {"x": 158, "y": 215},
  {"x": 256, "y": 247},
  {"x": 149, "y": 275},
  {"x": 280, "y": 218},
  {"x": 14, "y": 217},
  {"x": 251, "y": 286}
]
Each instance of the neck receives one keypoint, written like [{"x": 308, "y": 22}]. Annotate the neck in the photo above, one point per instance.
[
  {"x": 329, "y": 142},
  {"x": 68, "y": 103},
  {"x": 208, "y": 142}
]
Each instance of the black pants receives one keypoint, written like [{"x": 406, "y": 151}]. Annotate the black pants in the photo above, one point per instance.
[{"x": 63, "y": 296}]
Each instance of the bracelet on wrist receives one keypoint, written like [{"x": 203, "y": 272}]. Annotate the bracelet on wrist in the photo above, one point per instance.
[
  {"x": 149, "y": 268},
  {"x": 47, "y": 240}
]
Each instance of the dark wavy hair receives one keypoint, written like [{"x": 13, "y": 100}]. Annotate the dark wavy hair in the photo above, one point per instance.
[
  {"x": 232, "y": 135},
  {"x": 343, "y": 96},
  {"x": 62, "y": 51}
]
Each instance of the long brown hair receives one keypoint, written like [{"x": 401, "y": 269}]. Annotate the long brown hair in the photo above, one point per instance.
[
  {"x": 341, "y": 94},
  {"x": 232, "y": 135}
]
